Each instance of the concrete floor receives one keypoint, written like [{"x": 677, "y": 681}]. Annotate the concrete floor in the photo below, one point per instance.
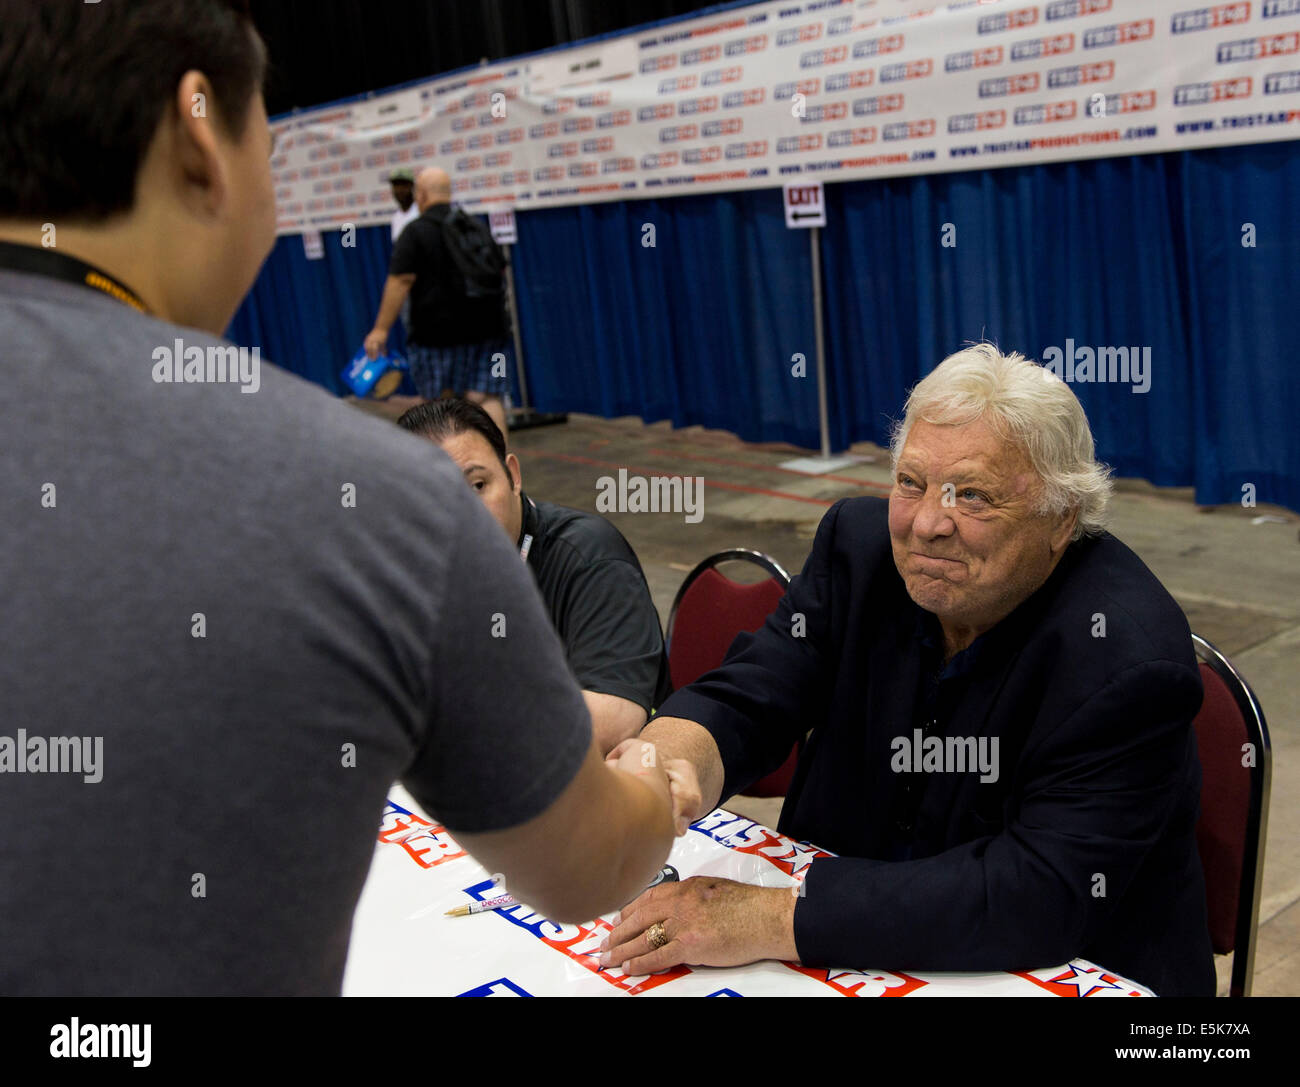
[{"x": 1238, "y": 582}]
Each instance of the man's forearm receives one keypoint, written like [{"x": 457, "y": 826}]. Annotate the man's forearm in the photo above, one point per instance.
[
  {"x": 613, "y": 719},
  {"x": 395, "y": 292},
  {"x": 677, "y": 738}
]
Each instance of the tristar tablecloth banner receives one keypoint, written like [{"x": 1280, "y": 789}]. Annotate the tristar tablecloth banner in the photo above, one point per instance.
[
  {"x": 404, "y": 944},
  {"x": 837, "y": 89}
]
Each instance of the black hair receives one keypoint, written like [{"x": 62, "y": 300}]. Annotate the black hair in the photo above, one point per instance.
[
  {"x": 85, "y": 86},
  {"x": 439, "y": 419}
]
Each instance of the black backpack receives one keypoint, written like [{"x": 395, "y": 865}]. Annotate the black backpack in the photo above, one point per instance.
[{"x": 478, "y": 258}]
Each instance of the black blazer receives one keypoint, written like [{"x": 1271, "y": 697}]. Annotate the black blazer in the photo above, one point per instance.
[{"x": 1085, "y": 844}]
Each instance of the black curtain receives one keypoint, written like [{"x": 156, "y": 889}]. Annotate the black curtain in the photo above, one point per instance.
[{"x": 323, "y": 50}]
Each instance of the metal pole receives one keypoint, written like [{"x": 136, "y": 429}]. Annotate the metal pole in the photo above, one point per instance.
[
  {"x": 823, "y": 419},
  {"x": 514, "y": 327}
]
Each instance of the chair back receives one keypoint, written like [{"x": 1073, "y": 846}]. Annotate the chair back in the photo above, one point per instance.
[
  {"x": 709, "y": 611},
  {"x": 1236, "y": 771}
]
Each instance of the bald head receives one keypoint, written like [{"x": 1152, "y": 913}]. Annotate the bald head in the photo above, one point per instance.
[{"x": 432, "y": 186}]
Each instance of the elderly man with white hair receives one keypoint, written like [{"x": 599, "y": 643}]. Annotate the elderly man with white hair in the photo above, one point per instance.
[{"x": 997, "y": 696}]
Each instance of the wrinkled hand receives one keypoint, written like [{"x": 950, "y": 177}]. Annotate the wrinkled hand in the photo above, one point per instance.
[
  {"x": 376, "y": 343},
  {"x": 708, "y": 921},
  {"x": 682, "y": 783}
]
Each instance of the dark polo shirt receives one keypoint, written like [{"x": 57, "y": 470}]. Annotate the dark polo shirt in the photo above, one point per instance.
[{"x": 599, "y": 602}]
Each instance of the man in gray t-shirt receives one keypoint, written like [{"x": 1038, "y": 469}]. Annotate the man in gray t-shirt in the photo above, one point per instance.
[{"x": 215, "y": 660}]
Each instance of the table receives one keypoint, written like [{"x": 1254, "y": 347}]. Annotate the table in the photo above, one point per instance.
[{"x": 403, "y": 945}]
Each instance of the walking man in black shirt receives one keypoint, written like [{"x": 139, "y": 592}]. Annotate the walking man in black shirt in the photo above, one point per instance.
[{"x": 458, "y": 337}]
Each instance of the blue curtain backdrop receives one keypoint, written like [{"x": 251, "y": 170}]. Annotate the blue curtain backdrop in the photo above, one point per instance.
[{"x": 703, "y": 325}]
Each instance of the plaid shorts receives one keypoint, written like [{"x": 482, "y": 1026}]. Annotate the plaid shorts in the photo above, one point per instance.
[{"x": 461, "y": 368}]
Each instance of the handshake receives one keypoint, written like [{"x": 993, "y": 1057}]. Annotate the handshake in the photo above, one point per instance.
[{"x": 640, "y": 757}]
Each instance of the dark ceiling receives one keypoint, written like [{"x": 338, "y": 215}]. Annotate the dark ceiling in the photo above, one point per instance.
[{"x": 322, "y": 50}]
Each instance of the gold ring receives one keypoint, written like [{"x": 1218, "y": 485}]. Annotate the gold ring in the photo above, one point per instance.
[{"x": 656, "y": 935}]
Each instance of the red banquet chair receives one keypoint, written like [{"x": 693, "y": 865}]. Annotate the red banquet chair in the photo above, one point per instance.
[
  {"x": 709, "y": 611},
  {"x": 1234, "y": 808}
]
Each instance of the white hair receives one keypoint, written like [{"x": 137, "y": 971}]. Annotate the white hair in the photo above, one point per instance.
[{"x": 1028, "y": 405}]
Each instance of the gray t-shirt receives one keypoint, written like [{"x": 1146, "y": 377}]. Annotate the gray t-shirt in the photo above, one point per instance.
[{"x": 344, "y": 645}]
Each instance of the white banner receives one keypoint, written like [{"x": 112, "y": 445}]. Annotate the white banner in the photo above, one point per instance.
[{"x": 837, "y": 89}]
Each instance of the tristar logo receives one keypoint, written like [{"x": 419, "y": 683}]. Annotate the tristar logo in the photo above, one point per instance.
[
  {"x": 731, "y": 126},
  {"x": 1197, "y": 94},
  {"x": 977, "y": 122},
  {"x": 1119, "y": 34},
  {"x": 973, "y": 58},
  {"x": 862, "y": 984},
  {"x": 1273, "y": 45},
  {"x": 755, "y": 44},
  {"x": 695, "y": 156},
  {"x": 580, "y": 943},
  {"x": 1034, "y": 48},
  {"x": 832, "y": 54},
  {"x": 850, "y": 81},
  {"x": 746, "y": 836},
  {"x": 1072, "y": 9},
  {"x": 660, "y": 112},
  {"x": 599, "y": 146},
  {"x": 1282, "y": 83},
  {"x": 1128, "y": 102},
  {"x": 910, "y": 130},
  {"x": 1078, "y": 74},
  {"x": 619, "y": 165},
  {"x": 1046, "y": 113},
  {"x": 701, "y": 56},
  {"x": 799, "y": 86},
  {"x": 1010, "y": 20},
  {"x": 674, "y": 133},
  {"x": 659, "y": 64},
  {"x": 428, "y": 844},
  {"x": 723, "y": 75},
  {"x": 658, "y": 160},
  {"x": 689, "y": 106},
  {"x": 877, "y": 103},
  {"x": 678, "y": 83},
  {"x": 871, "y": 47},
  {"x": 795, "y": 35},
  {"x": 912, "y": 69},
  {"x": 748, "y": 150},
  {"x": 1185, "y": 22},
  {"x": 831, "y": 111},
  {"x": 579, "y": 124},
  {"x": 752, "y": 97},
  {"x": 851, "y": 137},
  {"x": 790, "y": 145},
  {"x": 1011, "y": 84}
]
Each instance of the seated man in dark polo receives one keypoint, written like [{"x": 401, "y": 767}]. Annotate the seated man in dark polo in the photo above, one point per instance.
[
  {"x": 1000, "y": 697},
  {"x": 588, "y": 576}
]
